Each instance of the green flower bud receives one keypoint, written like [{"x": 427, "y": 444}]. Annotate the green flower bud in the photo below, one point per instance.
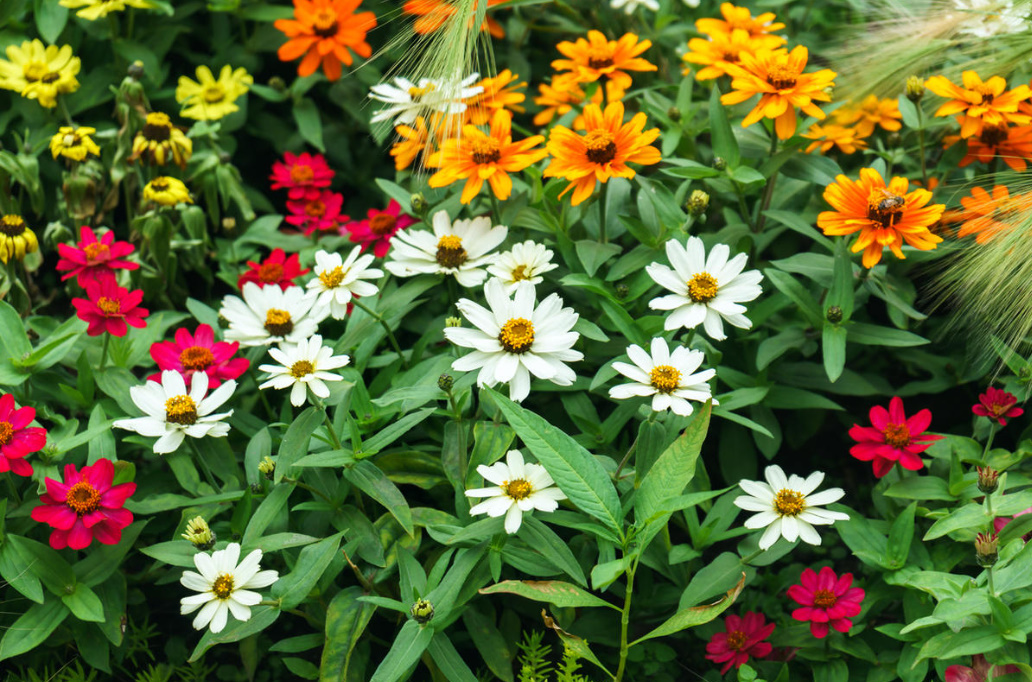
[
  {"x": 418, "y": 202},
  {"x": 674, "y": 113},
  {"x": 422, "y": 611},
  {"x": 277, "y": 84},
  {"x": 267, "y": 467},
  {"x": 720, "y": 163},
  {"x": 834, "y": 314},
  {"x": 915, "y": 89},
  {"x": 987, "y": 549},
  {"x": 622, "y": 290},
  {"x": 988, "y": 479},
  {"x": 697, "y": 203},
  {"x": 445, "y": 382},
  {"x": 199, "y": 534},
  {"x": 135, "y": 70}
]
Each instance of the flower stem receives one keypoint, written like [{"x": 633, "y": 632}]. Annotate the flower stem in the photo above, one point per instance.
[
  {"x": 64, "y": 111},
  {"x": 14, "y": 489},
  {"x": 602, "y": 238},
  {"x": 329, "y": 424},
  {"x": 768, "y": 191},
  {"x": 387, "y": 328},
  {"x": 921, "y": 144},
  {"x": 989, "y": 576},
  {"x": 203, "y": 465},
  {"x": 104, "y": 351},
  {"x": 625, "y": 619},
  {"x": 989, "y": 441},
  {"x": 315, "y": 491},
  {"x": 747, "y": 559}
]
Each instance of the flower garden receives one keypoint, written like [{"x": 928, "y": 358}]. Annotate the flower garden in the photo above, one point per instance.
[{"x": 517, "y": 340}]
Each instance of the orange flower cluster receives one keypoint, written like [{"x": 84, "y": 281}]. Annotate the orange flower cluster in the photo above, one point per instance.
[
  {"x": 323, "y": 32},
  {"x": 728, "y": 39},
  {"x": 851, "y": 124},
  {"x": 432, "y": 14},
  {"x": 986, "y": 216},
  {"x": 588, "y": 61}
]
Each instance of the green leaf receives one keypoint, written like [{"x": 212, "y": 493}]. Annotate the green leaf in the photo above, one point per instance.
[
  {"x": 561, "y": 594},
  {"x": 306, "y": 115},
  {"x": 268, "y": 511},
  {"x": 14, "y": 344},
  {"x": 792, "y": 221},
  {"x": 14, "y": 568},
  {"x": 977, "y": 640},
  {"x": 292, "y": 588},
  {"x": 452, "y": 666},
  {"x": 674, "y": 469},
  {"x": 393, "y": 432},
  {"x": 790, "y": 287},
  {"x": 489, "y": 642},
  {"x": 44, "y": 563},
  {"x": 921, "y": 488},
  {"x": 841, "y": 292},
  {"x": 971, "y": 516},
  {"x": 104, "y": 560},
  {"x": 545, "y": 541},
  {"x": 409, "y": 645},
  {"x": 724, "y": 143},
  {"x": 696, "y": 615},
  {"x": 32, "y": 628},
  {"x": 901, "y": 533},
  {"x": 294, "y": 445},
  {"x": 51, "y": 18},
  {"x": 84, "y": 604},
  {"x": 346, "y": 620},
  {"x": 593, "y": 254},
  {"x": 368, "y": 478},
  {"x": 873, "y": 335},
  {"x": 261, "y": 617}
]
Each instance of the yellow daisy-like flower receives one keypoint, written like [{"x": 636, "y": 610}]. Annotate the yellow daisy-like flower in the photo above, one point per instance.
[
  {"x": 16, "y": 239},
  {"x": 74, "y": 143},
  {"x": 91, "y": 10},
  {"x": 40, "y": 72},
  {"x": 848, "y": 140},
  {"x": 208, "y": 99},
  {"x": 167, "y": 191},
  {"x": 160, "y": 142},
  {"x": 869, "y": 113}
]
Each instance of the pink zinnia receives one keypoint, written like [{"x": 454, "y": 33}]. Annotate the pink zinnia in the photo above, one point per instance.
[
  {"x": 198, "y": 353},
  {"x": 997, "y": 404},
  {"x": 319, "y": 213},
  {"x": 978, "y": 672},
  {"x": 301, "y": 175},
  {"x": 1000, "y": 522},
  {"x": 826, "y": 599},
  {"x": 378, "y": 228},
  {"x": 85, "y": 506},
  {"x": 743, "y": 637},
  {"x": 91, "y": 260},
  {"x": 893, "y": 438},
  {"x": 16, "y": 438},
  {"x": 110, "y": 308},
  {"x": 276, "y": 269}
]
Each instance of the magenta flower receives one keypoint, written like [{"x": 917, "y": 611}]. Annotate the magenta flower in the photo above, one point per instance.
[
  {"x": 320, "y": 213},
  {"x": 278, "y": 268},
  {"x": 997, "y": 404},
  {"x": 85, "y": 506},
  {"x": 110, "y": 308},
  {"x": 743, "y": 637},
  {"x": 825, "y": 599},
  {"x": 91, "y": 260},
  {"x": 893, "y": 438},
  {"x": 978, "y": 672},
  {"x": 198, "y": 353},
  {"x": 17, "y": 439},
  {"x": 302, "y": 175},
  {"x": 378, "y": 228}
]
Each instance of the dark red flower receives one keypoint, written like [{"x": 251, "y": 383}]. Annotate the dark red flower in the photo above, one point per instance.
[
  {"x": 978, "y": 672},
  {"x": 198, "y": 353},
  {"x": 91, "y": 259},
  {"x": 301, "y": 175},
  {"x": 110, "y": 308},
  {"x": 997, "y": 404},
  {"x": 276, "y": 269},
  {"x": 826, "y": 599},
  {"x": 378, "y": 228},
  {"x": 743, "y": 637},
  {"x": 16, "y": 438},
  {"x": 319, "y": 213},
  {"x": 893, "y": 438},
  {"x": 85, "y": 506}
]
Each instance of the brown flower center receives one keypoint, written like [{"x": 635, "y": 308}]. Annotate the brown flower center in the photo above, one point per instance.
[
  {"x": 301, "y": 368},
  {"x": 986, "y": 92},
  {"x": 450, "y": 253},
  {"x": 897, "y": 435},
  {"x": 35, "y": 71},
  {"x": 665, "y": 378},
  {"x": 6, "y": 433},
  {"x": 517, "y": 335},
  {"x": 159, "y": 184},
  {"x": 278, "y": 322},
  {"x": 599, "y": 58},
  {"x": 213, "y": 94},
  {"x": 993, "y": 135},
  {"x": 315, "y": 209},
  {"x": 196, "y": 358},
  {"x": 158, "y": 127},
  {"x": 223, "y": 586},
  {"x": 109, "y": 306},
  {"x": 96, "y": 251},
  {"x": 824, "y": 599},
  {"x": 301, "y": 174},
  {"x": 382, "y": 223},
  {"x": 736, "y": 639},
  {"x": 83, "y": 498},
  {"x": 485, "y": 150},
  {"x": 181, "y": 409},
  {"x": 12, "y": 225},
  {"x": 702, "y": 287},
  {"x": 782, "y": 77},
  {"x": 51, "y": 77},
  {"x": 518, "y": 489},
  {"x": 601, "y": 146},
  {"x": 270, "y": 273},
  {"x": 332, "y": 278},
  {"x": 324, "y": 23},
  {"x": 789, "y": 502},
  {"x": 885, "y": 207}
]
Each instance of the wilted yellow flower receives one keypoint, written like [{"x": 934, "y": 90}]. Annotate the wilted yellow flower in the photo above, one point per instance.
[
  {"x": 208, "y": 99},
  {"x": 74, "y": 143},
  {"x": 38, "y": 72},
  {"x": 16, "y": 239},
  {"x": 167, "y": 191},
  {"x": 159, "y": 142},
  {"x": 91, "y": 10}
]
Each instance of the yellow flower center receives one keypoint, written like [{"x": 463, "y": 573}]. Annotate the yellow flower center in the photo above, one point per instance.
[
  {"x": 736, "y": 639},
  {"x": 702, "y": 287},
  {"x": 519, "y": 273},
  {"x": 416, "y": 93},
  {"x": 518, "y": 489},
  {"x": 885, "y": 207},
  {"x": 6, "y": 433},
  {"x": 601, "y": 146},
  {"x": 450, "y": 253},
  {"x": 270, "y": 273},
  {"x": 382, "y": 223},
  {"x": 213, "y": 93},
  {"x": 223, "y": 586},
  {"x": 665, "y": 378},
  {"x": 109, "y": 306},
  {"x": 517, "y": 335},
  {"x": 324, "y": 23},
  {"x": 301, "y": 174},
  {"x": 12, "y": 225},
  {"x": 196, "y": 357},
  {"x": 789, "y": 502},
  {"x": 897, "y": 435},
  {"x": 83, "y": 498},
  {"x": 332, "y": 278},
  {"x": 301, "y": 368},
  {"x": 278, "y": 322},
  {"x": 782, "y": 77},
  {"x": 181, "y": 409},
  {"x": 485, "y": 150},
  {"x": 824, "y": 599},
  {"x": 96, "y": 251}
]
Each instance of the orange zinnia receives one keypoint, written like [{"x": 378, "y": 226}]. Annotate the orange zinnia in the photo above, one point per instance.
[
  {"x": 1013, "y": 144},
  {"x": 559, "y": 98},
  {"x": 500, "y": 92},
  {"x": 322, "y": 31},
  {"x": 433, "y": 13},
  {"x": 413, "y": 141},
  {"x": 725, "y": 48},
  {"x": 595, "y": 57},
  {"x": 884, "y": 216},
  {"x": 986, "y": 216},
  {"x": 846, "y": 139},
  {"x": 603, "y": 152},
  {"x": 477, "y": 156},
  {"x": 738, "y": 17},
  {"x": 979, "y": 103},
  {"x": 869, "y": 113}
]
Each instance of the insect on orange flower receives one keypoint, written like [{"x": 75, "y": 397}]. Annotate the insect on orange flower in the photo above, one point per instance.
[{"x": 323, "y": 32}]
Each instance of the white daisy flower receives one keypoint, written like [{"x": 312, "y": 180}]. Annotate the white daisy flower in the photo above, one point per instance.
[
  {"x": 706, "y": 290},
  {"x": 526, "y": 262},
  {"x": 665, "y": 376},
  {"x": 990, "y": 18},
  {"x": 268, "y": 315},
  {"x": 337, "y": 280},
  {"x": 224, "y": 587},
  {"x": 515, "y": 339},
  {"x": 406, "y": 100},
  {"x": 786, "y": 507},
  {"x": 518, "y": 487},
  {"x": 629, "y": 6},
  {"x": 303, "y": 366},
  {"x": 460, "y": 249},
  {"x": 174, "y": 413}
]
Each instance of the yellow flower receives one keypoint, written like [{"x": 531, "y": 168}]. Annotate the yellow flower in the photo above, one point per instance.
[
  {"x": 96, "y": 9},
  {"x": 167, "y": 191},
  {"x": 211, "y": 99},
  {"x": 848, "y": 140},
  {"x": 38, "y": 72},
  {"x": 160, "y": 142},
  {"x": 74, "y": 143},
  {"x": 16, "y": 239}
]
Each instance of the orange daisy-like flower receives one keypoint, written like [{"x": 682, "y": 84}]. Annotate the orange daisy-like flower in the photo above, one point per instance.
[
  {"x": 413, "y": 140},
  {"x": 725, "y": 48},
  {"x": 883, "y": 215},
  {"x": 988, "y": 103},
  {"x": 559, "y": 98},
  {"x": 500, "y": 92},
  {"x": 777, "y": 76},
  {"x": 603, "y": 152},
  {"x": 322, "y": 31},
  {"x": 738, "y": 17},
  {"x": 848, "y": 140},
  {"x": 985, "y": 215},
  {"x": 869, "y": 113},
  {"x": 591, "y": 59},
  {"x": 432, "y": 14},
  {"x": 477, "y": 156},
  {"x": 1013, "y": 144}
]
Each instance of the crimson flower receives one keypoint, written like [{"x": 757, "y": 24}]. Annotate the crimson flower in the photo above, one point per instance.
[
  {"x": 91, "y": 260},
  {"x": 276, "y": 269},
  {"x": 826, "y": 598},
  {"x": 378, "y": 228},
  {"x": 85, "y": 506},
  {"x": 198, "y": 353},
  {"x": 1000, "y": 522},
  {"x": 16, "y": 439},
  {"x": 892, "y": 438},
  {"x": 978, "y": 672},
  {"x": 110, "y": 308},
  {"x": 302, "y": 175},
  {"x": 743, "y": 638},
  {"x": 997, "y": 404},
  {"x": 319, "y": 213}
]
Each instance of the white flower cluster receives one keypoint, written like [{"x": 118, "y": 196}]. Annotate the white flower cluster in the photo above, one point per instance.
[{"x": 988, "y": 18}]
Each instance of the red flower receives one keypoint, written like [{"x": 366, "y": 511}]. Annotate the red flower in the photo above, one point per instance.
[
  {"x": 85, "y": 506},
  {"x": 301, "y": 175},
  {"x": 1000, "y": 522},
  {"x": 91, "y": 260},
  {"x": 826, "y": 598},
  {"x": 319, "y": 213},
  {"x": 198, "y": 353},
  {"x": 997, "y": 404},
  {"x": 978, "y": 672},
  {"x": 16, "y": 440},
  {"x": 110, "y": 308},
  {"x": 378, "y": 228},
  {"x": 892, "y": 438},
  {"x": 276, "y": 269},
  {"x": 743, "y": 638}
]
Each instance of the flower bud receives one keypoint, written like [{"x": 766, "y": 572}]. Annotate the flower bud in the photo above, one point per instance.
[
  {"x": 915, "y": 89},
  {"x": 199, "y": 534},
  {"x": 135, "y": 70},
  {"x": 229, "y": 223},
  {"x": 1024, "y": 374},
  {"x": 834, "y": 314},
  {"x": 720, "y": 163},
  {"x": 622, "y": 290},
  {"x": 445, "y": 382},
  {"x": 987, "y": 549},
  {"x": 453, "y": 322},
  {"x": 988, "y": 479},
  {"x": 674, "y": 113},
  {"x": 418, "y": 202},
  {"x": 267, "y": 467},
  {"x": 225, "y": 158},
  {"x": 697, "y": 203},
  {"x": 422, "y": 611},
  {"x": 277, "y": 84}
]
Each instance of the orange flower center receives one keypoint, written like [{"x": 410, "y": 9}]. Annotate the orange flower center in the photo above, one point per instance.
[
  {"x": 517, "y": 335},
  {"x": 301, "y": 368},
  {"x": 181, "y": 409},
  {"x": 83, "y": 498},
  {"x": 6, "y": 433},
  {"x": 325, "y": 23},
  {"x": 702, "y": 287},
  {"x": 12, "y": 225},
  {"x": 885, "y": 207},
  {"x": 270, "y": 273},
  {"x": 665, "y": 378},
  {"x": 382, "y": 223},
  {"x": 315, "y": 209},
  {"x": 781, "y": 77},
  {"x": 736, "y": 639},
  {"x": 278, "y": 322},
  {"x": 897, "y": 435},
  {"x": 824, "y": 599},
  {"x": 96, "y": 251},
  {"x": 599, "y": 58},
  {"x": 518, "y": 489},
  {"x": 301, "y": 174},
  {"x": 601, "y": 146},
  {"x": 485, "y": 150},
  {"x": 109, "y": 306},
  {"x": 223, "y": 586},
  {"x": 196, "y": 357},
  {"x": 789, "y": 502},
  {"x": 450, "y": 253},
  {"x": 332, "y": 278}
]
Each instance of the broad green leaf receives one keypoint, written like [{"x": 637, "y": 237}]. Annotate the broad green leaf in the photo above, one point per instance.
[
  {"x": 409, "y": 645},
  {"x": 443, "y": 652},
  {"x": 724, "y": 143},
  {"x": 696, "y": 615},
  {"x": 545, "y": 541},
  {"x": 873, "y": 335},
  {"x": 309, "y": 124},
  {"x": 346, "y": 620},
  {"x": 295, "y": 441},
  {"x": 104, "y": 560},
  {"x": 174, "y": 553},
  {"x": 268, "y": 511},
  {"x": 841, "y": 292},
  {"x": 901, "y": 533},
  {"x": 44, "y": 563},
  {"x": 292, "y": 588},
  {"x": 84, "y": 604},
  {"x": 921, "y": 488},
  {"x": 368, "y": 478},
  {"x": 489, "y": 641},
  {"x": 833, "y": 348},
  {"x": 969, "y": 517},
  {"x": 977, "y": 640},
  {"x": 674, "y": 469},
  {"x": 14, "y": 568},
  {"x": 261, "y": 617},
  {"x": 32, "y": 628},
  {"x": 393, "y": 432},
  {"x": 791, "y": 287},
  {"x": 563, "y": 595}
]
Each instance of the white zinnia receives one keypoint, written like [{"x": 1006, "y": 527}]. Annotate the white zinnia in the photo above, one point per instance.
[
  {"x": 630, "y": 5},
  {"x": 525, "y": 262},
  {"x": 988, "y": 18},
  {"x": 224, "y": 587},
  {"x": 515, "y": 339},
  {"x": 706, "y": 290},
  {"x": 174, "y": 413},
  {"x": 518, "y": 487},
  {"x": 786, "y": 507},
  {"x": 665, "y": 376},
  {"x": 460, "y": 249},
  {"x": 268, "y": 315},
  {"x": 406, "y": 100},
  {"x": 337, "y": 280},
  {"x": 303, "y": 366}
]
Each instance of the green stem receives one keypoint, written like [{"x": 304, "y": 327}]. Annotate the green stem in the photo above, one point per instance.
[
  {"x": 623, "y": 462},
  {"x": 203, "y": 464},
  {"x": 989, "y": 441},
  {"x": 625, "y": 619},
  {"x": 989, "y": 575},
  {"x": 747, "y": 559},
  {"x": 602, "y": 237},
  {"x": 329, "y": 424},
  {"x": 768, "y": 191},
  {"x": 311, "y": 489},
  {"x": 921, "y": 145},
  {"x": 13, "y": 488},
  {"x": 104, "y": 351},
  {"x": 387, "y": 328},
  {"x": 64, "y": 111},
  {"x": 496, "y": 209}
]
